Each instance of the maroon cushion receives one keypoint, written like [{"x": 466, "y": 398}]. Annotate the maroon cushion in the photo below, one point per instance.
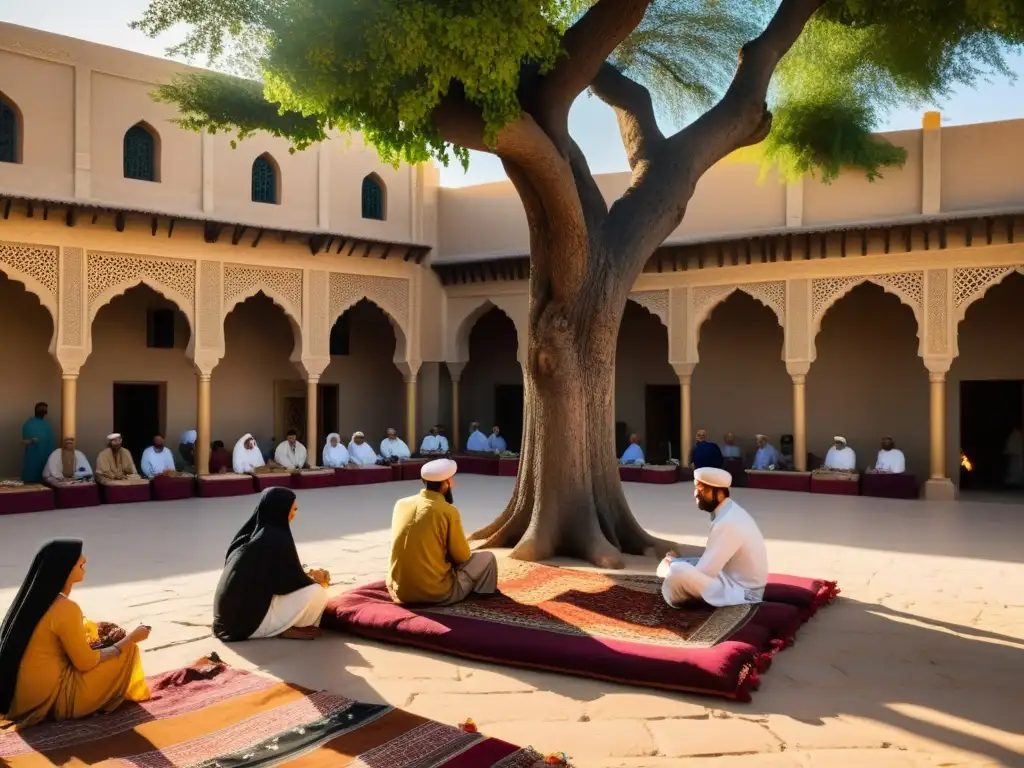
[{"x": 608, "y": 626}]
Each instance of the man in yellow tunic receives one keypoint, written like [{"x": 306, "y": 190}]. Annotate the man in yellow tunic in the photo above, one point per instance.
[
  {"x": 430, "y": 557},
  {"x": 115, "y": 462}
]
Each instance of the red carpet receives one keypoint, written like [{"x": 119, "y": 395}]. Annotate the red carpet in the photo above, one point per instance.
[{"x": 607, "y": 626}]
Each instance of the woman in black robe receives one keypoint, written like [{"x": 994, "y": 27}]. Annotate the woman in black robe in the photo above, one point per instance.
[{"x": 264, "y": 591}]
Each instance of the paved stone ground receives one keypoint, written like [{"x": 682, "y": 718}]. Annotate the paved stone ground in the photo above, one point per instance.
[{"x": 920, "y": 663}]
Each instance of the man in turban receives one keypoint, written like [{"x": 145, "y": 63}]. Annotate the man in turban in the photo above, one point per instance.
[{"x": 115, "y": 462}]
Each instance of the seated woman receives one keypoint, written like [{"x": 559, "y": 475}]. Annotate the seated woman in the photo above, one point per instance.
[
  {"x": 47, "y": 667},
  {"x": 66, "y": 465},
  {"x": 247, "y": 456},
  {"x": 263, "y": 591},
  {"x": 335, "y": 452}
]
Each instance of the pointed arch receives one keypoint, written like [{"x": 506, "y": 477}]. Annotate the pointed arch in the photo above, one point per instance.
[
  {"x": 266, "y": 180},
  {"x": 972, "y": 283},
  {"x": 374, "y": 196},
  {"x": 463, "y": 314},
  {"x": 181, "y": 302},
  {"x": 11, "y": 130},
  {"x": 655, "y": 302},
  {"x": 141, "y": 150},
  {"x": 707, "y": 298}
]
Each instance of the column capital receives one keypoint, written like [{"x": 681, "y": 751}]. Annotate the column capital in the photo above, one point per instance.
[
  {"x": 71, "y": 360},
  {"x": 798, "y": 368},
  {"x": 410, "y": 378},
  {"x": 409, "y": 368},
  {"x": 205, "y": 363},
  {"x": 938, "y": 365},
  {"x": 311, "y": 366},
  {"x": 936, "y": 377},
  {"x": 312, "y": 378},
  {"x": 799, "y": 379},
  {"x": 455, "y": 371},
  {"x": 683, "y": 370}
]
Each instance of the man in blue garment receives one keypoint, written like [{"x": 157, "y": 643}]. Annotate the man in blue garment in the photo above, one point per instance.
[
  {"x": 477, "y": 442},
  {"x": 37, "y": 437},
  {"x": 496, "y": 442},
  {"x": 634, "y": 454},
  {"x": 766, "y": 457},
  {"x": 730, "y": 450},
  {"x": 705, "y": 453}
]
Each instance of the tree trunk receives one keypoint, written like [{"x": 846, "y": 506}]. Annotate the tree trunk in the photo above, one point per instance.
[{"x": 568, "y": 499}]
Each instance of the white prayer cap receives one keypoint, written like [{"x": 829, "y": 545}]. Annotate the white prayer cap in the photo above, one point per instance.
[
  {"x": 761, "y": 437},
  {"x": 839, "y": 439},
  {"x": 438, "y": 470},
  {"x": 716, "y": 478},
  {"x": 113, "y": 436},
  {"x": 357, "y": 434}
]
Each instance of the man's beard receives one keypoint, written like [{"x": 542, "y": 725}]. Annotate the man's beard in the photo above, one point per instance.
[
  {"x": 448, "y": 496},
  {"x": 707, "y": 505}
]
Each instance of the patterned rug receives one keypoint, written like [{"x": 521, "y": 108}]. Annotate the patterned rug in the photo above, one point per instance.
[
  {"x": 210, "y": 715},
  {"x": 608, "y": 626}
]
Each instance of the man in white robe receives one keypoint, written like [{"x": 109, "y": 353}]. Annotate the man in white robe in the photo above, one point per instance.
[
  {"x": 291, "y": 454},
  {"x": 393, "y": 448},
  {"x": 156, "y": 459},
  {"x": 477, "y": 442},
  {"x": 359, "y": 451},
  {"x": 66, "y": 464},
  {"x": 734, "y": 567},
  {"x": 434, "y": 443},
  {"x": 840, "y": 456},
  {"x": 335, "y": 453},
  {"x": 891, "y": 460},
  {"x": 246, "y": 455}
]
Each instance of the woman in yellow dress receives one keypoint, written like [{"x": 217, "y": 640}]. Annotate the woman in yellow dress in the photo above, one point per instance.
[{"x": 47, "y": 667}]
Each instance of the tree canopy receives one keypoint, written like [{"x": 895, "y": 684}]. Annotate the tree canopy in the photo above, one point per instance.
[{"x": 402, "y": 72}]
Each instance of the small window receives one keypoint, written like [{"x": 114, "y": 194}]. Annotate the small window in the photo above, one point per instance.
[
  {"x": 10, "y": 139},
  {"x": 339, "y": 337},
  {"x": 139, "y": 154},
  {"x": 373, "y": 198},
  {"x": 160, "y": 329},
  {"x": 264, "y": 180}
]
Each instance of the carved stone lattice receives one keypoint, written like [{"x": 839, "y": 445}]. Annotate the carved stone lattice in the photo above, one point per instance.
[
  {"x": 174, "y": 278},
  {"x": 971, "y": 282},
  {"x": 679, "y": 333},
  {"x": 319, "y": 297},
  {"x": 389, "y": 293},
  {"x": 655, "y": 302},
  {"x": 210, "y": 322},
  {"x": 38, "y": 262},
  {"x": 71, "y": 320},
  {"x": 907, "y": 286},
  {"x": 938, "y": 313},
  {"x": 283, "y": 285},
  {"x": 771, "y": 294},
  {"x": 798, "y": 320}
]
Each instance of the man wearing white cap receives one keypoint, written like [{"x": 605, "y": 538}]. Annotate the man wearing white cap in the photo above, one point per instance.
[
  {"x": 767, "y": 457},
  {"x": 115, "y": 462},
  {"x": 359, "y": 451},
  {"x": 840, "y": 456},
  {"x": 430, "y": 558},
  {"x": 734, "y": 567}
]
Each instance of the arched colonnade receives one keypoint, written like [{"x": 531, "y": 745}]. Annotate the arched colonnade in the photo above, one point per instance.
[{"x": 73, "y": 285}]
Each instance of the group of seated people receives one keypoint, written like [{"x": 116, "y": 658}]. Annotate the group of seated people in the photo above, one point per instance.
[
  {"x": 839, "y": 458},
  {"x": 55, "y": 664},
  {"x": 114, "y": 463}
]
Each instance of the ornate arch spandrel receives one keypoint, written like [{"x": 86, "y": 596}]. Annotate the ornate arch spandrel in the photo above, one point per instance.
[
  {"x": 681, "y": 347},
  {"x": 281, "y": 285},
  {"x": 35, "y": 267},
  {"x": 908, "y": 287},
  {"x": 972, "y": 283},
  {"x": 705, "y": 298},
  {"x": 390, "y": 294},
  {"x": 109, "y": 275},
  {"x": 655, "y": 302},
  {"x": 457, "y": 348}
]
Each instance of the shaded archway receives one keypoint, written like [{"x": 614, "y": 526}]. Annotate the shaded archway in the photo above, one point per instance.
[
  {"x": 491, "y": 389},
  {"x": 362, "y": 389},
  {"x": 256, "y": 387},
  {"x": 985, "y": 385},
  {"x": 646, "y": 387},
  {"x": 137, "y": 379},
  {"x": 868, "y": 380},
  {"x": 30, "y": 373},
  {"x": 741, "y": 384}
]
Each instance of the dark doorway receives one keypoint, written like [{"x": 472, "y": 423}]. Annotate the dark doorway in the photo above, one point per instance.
[
  {"x": 327, "y": 407},
  {"x": 661, "y": 416},
  {"x": 138, "y": 415},
  {"x": 508, "y": 414},
  {"x": 989, "y": 413}
]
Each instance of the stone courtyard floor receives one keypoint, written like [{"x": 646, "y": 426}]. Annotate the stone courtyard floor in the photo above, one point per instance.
[{"x": 921, "y": 661}]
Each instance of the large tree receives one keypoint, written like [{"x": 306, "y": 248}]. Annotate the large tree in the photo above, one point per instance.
[{"x": 425, "y": 79}]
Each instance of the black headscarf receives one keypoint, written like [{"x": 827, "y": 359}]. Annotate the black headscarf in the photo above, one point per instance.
[
  {"x": 46, "y": 578},
  {"x": 261, "y": 562}
]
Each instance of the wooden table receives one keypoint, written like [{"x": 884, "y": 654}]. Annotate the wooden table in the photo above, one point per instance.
[
  {"x": 835, "y": 483},
  {"x": 226, "y": 484},
  {"x": 656, "y": 474},
  {"x": 26, "y": 497},
  {"x": 125, "y": 491},
  {"x": 888, "y": 485},
  {"x": 779, "y": 480}
]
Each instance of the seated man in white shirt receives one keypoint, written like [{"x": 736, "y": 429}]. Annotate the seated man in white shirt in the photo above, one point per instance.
[
  {"x": 734, "y": 567},
  {"x": 157, "y": 459},
  {"x": 434, "y": 443},
  {"x": 891, "y": 460},
  {"x": 359, "y": 451},
  {"x": 291, "y": 454},
  {"x": 393, "y": 448},
  {"x": 841, "y": 456}
]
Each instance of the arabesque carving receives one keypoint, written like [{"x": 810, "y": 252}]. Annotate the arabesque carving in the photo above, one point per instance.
[
  {"x": 319, "y": 299},
  {"x": 772, "y": 294},
  {"x": 35, "y": 266},
  {"x": 971, "y": 283},
  {"x": 111, "y": 274},
  {"x": 938, "y": 312},
  {"x": 908, "y": 287},
  {"x": 655, "y": 302},
  {"x": 211, "y": 324},
  {"x": 71, "y": 319},
  {"x": 798, "y": 320},
  {"x": 679, "y": 328},
  {"x": 281, "y": 284},
  {"x": 391, "y": 294}
]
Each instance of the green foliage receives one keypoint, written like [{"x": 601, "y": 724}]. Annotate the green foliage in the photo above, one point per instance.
[{"x": 381, "y": 66}]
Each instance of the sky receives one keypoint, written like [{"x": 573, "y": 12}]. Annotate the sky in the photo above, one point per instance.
[{"x": 590, "y": 122}]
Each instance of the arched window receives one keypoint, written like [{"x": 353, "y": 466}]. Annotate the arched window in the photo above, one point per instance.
[
  {"x": 264, "y": 180},
  {"x": 373, "y": 198},
  {"x": 10, "y": 132},
  {"x": 140, "y": 153}
]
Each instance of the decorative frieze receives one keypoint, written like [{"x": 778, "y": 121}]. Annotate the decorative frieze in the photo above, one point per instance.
[
  {"x": 281, "y": 284},
  {"x": 36, "y": 267},
  {"x": 655, "y": 302},
  {"x": 391, "y": 294},
  {"x": 111, "y": 274}
]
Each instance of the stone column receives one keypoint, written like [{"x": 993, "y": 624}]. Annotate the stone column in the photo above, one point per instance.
[
  {"x": 798, "y": 372},
  {"x": 68, "y": 405},
  {"x": 455, "y": 370},
  {"x": 410, "y": 411},
  {"x": 685, "y": 373},
  {"x": 312, "y": 401},
  {"x": 203, "y": 428},
  {"x": 938, "y": 486}
]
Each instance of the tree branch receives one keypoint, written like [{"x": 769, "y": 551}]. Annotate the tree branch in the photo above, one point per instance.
[
  {"x": 655, "y": 203},
  {"x": 633, "y": 109},
  {"x": 595, "y": 207}
]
